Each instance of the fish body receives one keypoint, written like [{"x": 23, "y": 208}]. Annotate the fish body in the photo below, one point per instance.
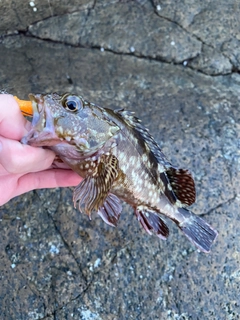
[{"x": 118, "y": 159}]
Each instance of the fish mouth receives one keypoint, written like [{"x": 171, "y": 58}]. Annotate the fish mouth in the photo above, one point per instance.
[{"x": 42, "y": 132}]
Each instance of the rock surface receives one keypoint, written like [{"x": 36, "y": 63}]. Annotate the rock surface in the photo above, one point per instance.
[{"x": 176, "y": 64}]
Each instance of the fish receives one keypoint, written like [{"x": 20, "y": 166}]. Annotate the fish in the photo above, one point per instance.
[{"x": 118, "y": 160}]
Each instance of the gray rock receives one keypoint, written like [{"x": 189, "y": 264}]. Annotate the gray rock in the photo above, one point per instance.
[
  {"x": 55, "y": 263},
  {"x": 182, "y": 12},
  {"x": 123, "y": 29},
  {"x": 231, "y": 50},
  {"x": 18, "y": 15},
  {"x": 211, "y": 62},
  {"x": 215, "y": 24}
]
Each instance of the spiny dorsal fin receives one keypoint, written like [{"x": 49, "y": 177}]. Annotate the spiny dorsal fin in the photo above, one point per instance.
[
  {"x": 143, "y": 132},
  {"x": 179, "y": 184}
]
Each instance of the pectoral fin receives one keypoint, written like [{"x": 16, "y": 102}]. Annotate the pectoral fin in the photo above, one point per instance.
[{"x": 93, "y": 191}]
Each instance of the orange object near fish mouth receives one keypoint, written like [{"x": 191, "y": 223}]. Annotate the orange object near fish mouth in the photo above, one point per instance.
[{"x": 25, "y": 107}]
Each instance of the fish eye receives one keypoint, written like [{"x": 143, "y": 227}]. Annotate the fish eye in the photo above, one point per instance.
[{"x": 71, "y": 103}]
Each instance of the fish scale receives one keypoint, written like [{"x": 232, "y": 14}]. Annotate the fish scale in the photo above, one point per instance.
[{"x": 118, "y": 160}]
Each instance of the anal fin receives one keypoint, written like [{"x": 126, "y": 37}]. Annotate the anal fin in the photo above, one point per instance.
[{"x": 151, "y": 222}]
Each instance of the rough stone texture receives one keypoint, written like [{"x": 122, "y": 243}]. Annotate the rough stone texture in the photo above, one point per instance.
[
  {"x": 116, "y": 29},
  {"x": 210, "y": 61},
  {"x": 55, "y": 263},
  {"x": 18, "y": 15},
  {"x": 214, "y": 23}
]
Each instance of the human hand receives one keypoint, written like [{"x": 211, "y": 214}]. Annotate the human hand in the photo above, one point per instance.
[{"x": 22, "y": 167}]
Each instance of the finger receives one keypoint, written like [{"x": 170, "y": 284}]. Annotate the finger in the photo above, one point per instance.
[
  {"x": 20, "y": 159},
  {"x": 47, "y": 179},
  {"x": 12, "y": 123}
]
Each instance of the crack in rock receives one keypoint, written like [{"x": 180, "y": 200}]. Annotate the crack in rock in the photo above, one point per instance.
[
  {"x": 210, "y": 61},
  {"x": 218, "y": 206},
  {"x": 152, "y": 37}
]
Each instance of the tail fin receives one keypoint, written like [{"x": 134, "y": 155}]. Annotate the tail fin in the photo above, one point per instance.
[{"x": 197, "y": 230}]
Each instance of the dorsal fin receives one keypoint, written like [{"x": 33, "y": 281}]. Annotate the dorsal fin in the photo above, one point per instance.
[
  {"x": 143, "y": 132},
  {"x": 179, "y": 184}
]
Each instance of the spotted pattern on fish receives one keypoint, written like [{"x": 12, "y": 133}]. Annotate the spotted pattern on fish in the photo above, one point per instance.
[
  {"x": 160, "y": 167},
  {"x": 118, "y": 159}
]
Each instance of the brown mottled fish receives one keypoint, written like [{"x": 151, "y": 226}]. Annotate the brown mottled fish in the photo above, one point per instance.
[{"x": 118, "y": 159}]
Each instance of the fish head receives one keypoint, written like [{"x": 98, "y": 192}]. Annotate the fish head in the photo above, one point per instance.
[{"x": 68, "y": 120}]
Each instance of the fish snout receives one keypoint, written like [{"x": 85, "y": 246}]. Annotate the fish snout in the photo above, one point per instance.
[{"x": 42, "y": 132}]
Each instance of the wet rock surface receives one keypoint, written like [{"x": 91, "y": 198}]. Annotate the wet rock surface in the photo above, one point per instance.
[{"x": 176, "y": 65}]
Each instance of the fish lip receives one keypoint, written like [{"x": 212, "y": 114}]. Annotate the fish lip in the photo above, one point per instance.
[
  {"x": 36, "y": 100},
  {"x": 42, "y": 132}
]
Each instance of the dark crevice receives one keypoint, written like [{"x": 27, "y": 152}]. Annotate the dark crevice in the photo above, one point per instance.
[
  {"x": 210, "y": 75},
  {"x": 196, "y": 37},
  {"x": 98, "y": 47},
  {"x": 52, "y": 15},
  {"x": 153, "y": 4},
  {"x": 26, "y": 33},
  {"x": 218, "y": 206},
  {"x": 32, "y": 287},
  {"x": 53, "y": 313},
  {"x": 181, "y": 27},
  {"x": 67, "y": 245},
  {"x": 138, "y": 56},
  {"x": 84, "y": 291},
  {"x": 16, "y": 12},
  {"x": 88, "y": 283},
  {"x": 94, "y": 4}
]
